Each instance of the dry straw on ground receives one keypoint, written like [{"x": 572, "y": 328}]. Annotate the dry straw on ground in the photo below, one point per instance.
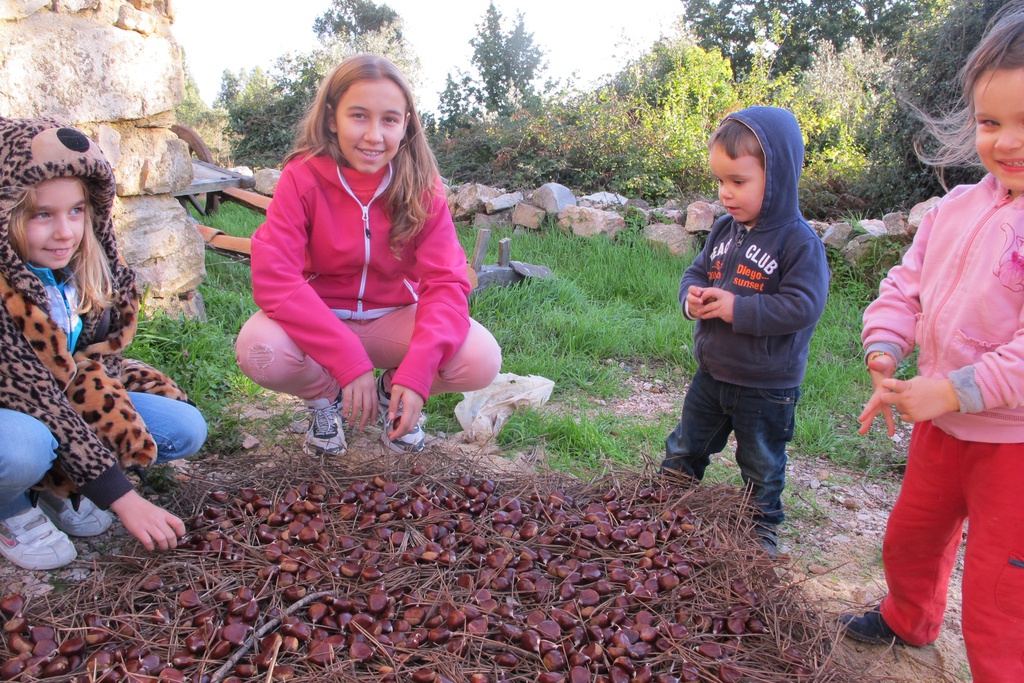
[{"x": 434, "y": 569}]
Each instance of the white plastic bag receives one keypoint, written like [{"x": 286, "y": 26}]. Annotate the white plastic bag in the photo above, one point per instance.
[{"x": 482, "y": 413}]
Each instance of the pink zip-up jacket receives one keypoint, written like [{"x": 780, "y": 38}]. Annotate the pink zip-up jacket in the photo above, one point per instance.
[
  {"x": 320, "y": 249},
  {"x": 959, "y": 296}
]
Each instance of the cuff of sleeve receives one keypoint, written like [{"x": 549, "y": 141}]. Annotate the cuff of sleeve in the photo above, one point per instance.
[
  {"x": 686, "y": 310},
  {"x": 968, "y": 393},
  {"x": 884, "y": 347},
  {"x": 106, "y": 488}
]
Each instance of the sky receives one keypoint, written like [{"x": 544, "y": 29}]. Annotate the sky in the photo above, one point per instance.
[{"x": 585, "y": 39}]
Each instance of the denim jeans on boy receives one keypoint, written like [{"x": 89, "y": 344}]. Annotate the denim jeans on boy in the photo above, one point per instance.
[
  {"x": 763, "y": 420},
  {"x": 27, "y": 446}
]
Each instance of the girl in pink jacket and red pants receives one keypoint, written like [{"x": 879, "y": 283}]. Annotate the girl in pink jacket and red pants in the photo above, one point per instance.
[
  {"x": 358, "y": 267},
  {"x": 959, "y": 297}
]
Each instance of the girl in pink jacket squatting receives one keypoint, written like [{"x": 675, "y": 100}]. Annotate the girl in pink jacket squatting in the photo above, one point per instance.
[
  {"x": 358, "y": 267},
  {"x": 959, "y": 297}
]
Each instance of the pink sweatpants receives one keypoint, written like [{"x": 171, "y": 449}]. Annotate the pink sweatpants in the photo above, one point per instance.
[
  {"x": 948, "y": 481},
  {"x": 269, "y": 357}
]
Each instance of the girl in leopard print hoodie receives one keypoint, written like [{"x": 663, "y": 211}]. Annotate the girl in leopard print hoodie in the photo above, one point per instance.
[{"x": 74, "y": 413}]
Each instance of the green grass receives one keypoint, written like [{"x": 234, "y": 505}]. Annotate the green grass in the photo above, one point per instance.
[{"x": 610, "y": 307}]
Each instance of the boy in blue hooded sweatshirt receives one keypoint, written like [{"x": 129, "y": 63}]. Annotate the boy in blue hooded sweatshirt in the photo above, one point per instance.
[{"x": 756, "y": 290}]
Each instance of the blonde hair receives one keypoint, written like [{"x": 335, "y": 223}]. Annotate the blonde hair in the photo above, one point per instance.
[
  {"x": 89, "y": 264},
  {"x": 409, "y": 196},
  {"x": 1002, "y": 47}
]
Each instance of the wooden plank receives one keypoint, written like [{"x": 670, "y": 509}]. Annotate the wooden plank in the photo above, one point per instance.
[
  {"x": 210, "y": 178},
  {"x": 250, "y": 200},
  {"x": 504, "y": 251},
  {"x": 483, "y": 238}
]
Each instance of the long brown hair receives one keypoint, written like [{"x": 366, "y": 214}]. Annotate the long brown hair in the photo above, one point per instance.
[
  {"x": 88, "y": 265},
  {"x": 409, "y": 196},
  {"x": 1001, "y": 48}
]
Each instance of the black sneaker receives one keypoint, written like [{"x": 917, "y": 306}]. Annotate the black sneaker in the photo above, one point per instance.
[
  {"x": 769, "y": 540},
  {"x": 869, "y": 627}
]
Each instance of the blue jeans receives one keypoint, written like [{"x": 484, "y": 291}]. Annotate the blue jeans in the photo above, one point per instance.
[
  {"x": 27, "y": 447},
  {"x": 763, "y": 420}
]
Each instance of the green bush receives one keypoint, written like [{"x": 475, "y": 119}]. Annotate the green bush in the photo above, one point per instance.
[{"x": 642, "y": 135}]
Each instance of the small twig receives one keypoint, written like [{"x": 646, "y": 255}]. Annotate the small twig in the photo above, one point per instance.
[
  {"x": 256, "y": 635},
  {"x": 273, "y": 660}
]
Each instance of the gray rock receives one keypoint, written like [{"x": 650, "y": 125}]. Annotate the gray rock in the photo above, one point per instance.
[
  {"x": 553, "y": 197},
  {"x": 19, "y": 9},
  {"x": 672, "y": 235},
  {"x": 528, "y": 215},
  {"x": 503, "y": 202},
  {"x": 857, "y": 248},
  {"x": 502, "y": 219},
  {"x": 469, "y": 199},
  {"x": 145, "y": 160},
  {"x": 91, "y": 71},
  {"x": 131, "y": 19},
  {"x": 819, "y": 227},
  {"x": 587, "y": 222},
  {"x": 159, "y": 240},
  {"x": 917, "y": 213},
  {"x": 266, "y": 181},
  {"x": 699, "y": 217},
  {"x": 895, "y": 224},
  {"x": 599, "y": 199},
  {"x": 873, "y": 227},
  {"x": 837, "y": 235}
]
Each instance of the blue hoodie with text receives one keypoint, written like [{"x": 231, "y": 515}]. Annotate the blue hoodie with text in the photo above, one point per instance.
[{"x": 777, "y": 270}]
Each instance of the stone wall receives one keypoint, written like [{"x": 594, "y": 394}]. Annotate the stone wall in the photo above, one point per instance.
[{"x": 112, "y": 69}]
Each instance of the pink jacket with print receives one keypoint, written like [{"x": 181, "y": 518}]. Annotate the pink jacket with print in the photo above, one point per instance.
[
  {"x": 313, "y": 254},
  {"x": 959, "y": 296}
]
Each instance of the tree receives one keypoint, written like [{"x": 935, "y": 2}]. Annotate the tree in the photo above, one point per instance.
[
  {"x": 929, "y": 61},
  {"x": 795, "y": 27},
  {"x": 506, "y": 63},
  {"x": 457, "y": 103},
  {"x": 349, "y": 19},
  {"x": 209, "y": 123},
  {"x": 265, "y": 107}
]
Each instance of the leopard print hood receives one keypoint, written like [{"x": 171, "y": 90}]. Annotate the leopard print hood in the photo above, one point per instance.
[
  {"x": 34, "y": 150},
  {"x": 82, "y": 397}
]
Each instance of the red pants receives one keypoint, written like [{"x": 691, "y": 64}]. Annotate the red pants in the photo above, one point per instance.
[{"x": 947, "y": 482}]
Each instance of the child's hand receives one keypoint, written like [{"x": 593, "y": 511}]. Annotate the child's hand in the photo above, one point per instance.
[
  {"x": 921, "y": 398},
  {"x": 151, "y": 524},
  {"x": 710, "y": 302},
  {"x": 412, "y": 406},
  {"x": 881, "y": 368},
  {"x": 359, "y": 401}
]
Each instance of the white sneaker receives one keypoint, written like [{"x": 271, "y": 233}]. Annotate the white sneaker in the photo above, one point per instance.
[
  {"x": 412, "y": 442},
  {"x": 326, "y": 435},
  {"x": 87, "y": 520},
  {"x": 31, "y": 541}
]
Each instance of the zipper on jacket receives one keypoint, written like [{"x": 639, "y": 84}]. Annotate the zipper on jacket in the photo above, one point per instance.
[
  {"x": 366, "y": 229},
  {"x": 954, "y": 281}
]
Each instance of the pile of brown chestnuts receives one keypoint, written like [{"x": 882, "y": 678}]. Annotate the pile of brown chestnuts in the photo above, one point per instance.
[{"x": 412, "y": 577}]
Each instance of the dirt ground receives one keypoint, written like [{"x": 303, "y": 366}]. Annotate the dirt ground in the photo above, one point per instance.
[{"x": 831, "y": 545}]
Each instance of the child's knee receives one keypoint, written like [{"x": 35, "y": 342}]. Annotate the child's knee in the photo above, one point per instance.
[
  {"x": 483, "y": 359},
  {"x": 254, "y": 359},
  {"x": 26, "y": 457}
]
